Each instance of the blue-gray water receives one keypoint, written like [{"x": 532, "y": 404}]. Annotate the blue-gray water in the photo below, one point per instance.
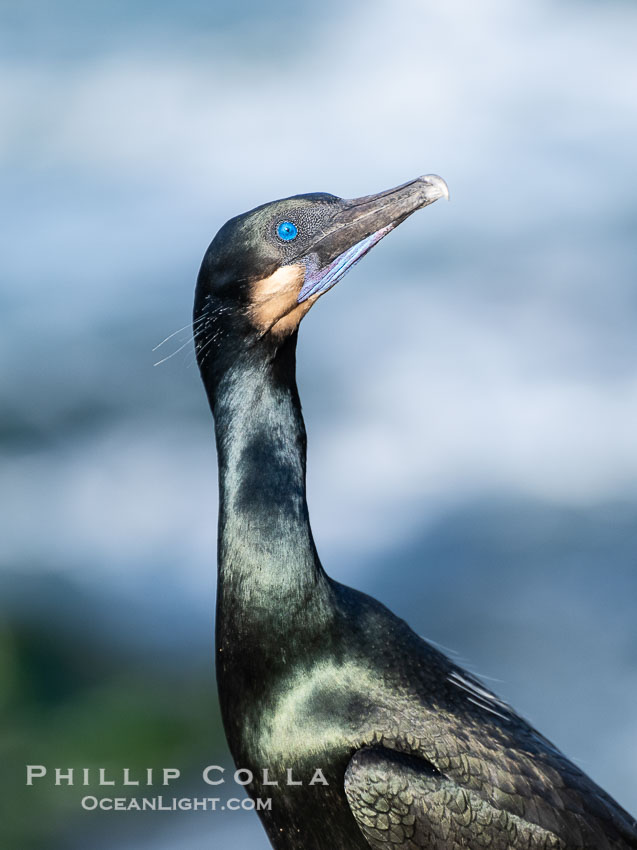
[{"x": 470, "y": 390}]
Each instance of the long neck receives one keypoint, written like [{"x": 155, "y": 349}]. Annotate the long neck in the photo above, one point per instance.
[{"x": 268, "y": 564}]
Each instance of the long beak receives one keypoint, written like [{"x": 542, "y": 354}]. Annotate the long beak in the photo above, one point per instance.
[{"x": 359, "y": 225}]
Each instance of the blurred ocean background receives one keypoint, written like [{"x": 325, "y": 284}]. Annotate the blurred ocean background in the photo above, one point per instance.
[{"x": 470, "y": 389}]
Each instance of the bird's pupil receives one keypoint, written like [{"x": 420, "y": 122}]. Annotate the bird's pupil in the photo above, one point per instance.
[{"x": 286, "y": 230}]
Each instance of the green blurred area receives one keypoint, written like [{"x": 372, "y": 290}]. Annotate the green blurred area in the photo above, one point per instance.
[{"x": 69, "y": 701}]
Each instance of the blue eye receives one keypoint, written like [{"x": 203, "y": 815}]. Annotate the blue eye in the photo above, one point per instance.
[{"x": 286, "y": 231}]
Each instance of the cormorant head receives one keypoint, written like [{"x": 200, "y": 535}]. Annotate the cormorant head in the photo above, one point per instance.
[{"x": 264, "y": 269}]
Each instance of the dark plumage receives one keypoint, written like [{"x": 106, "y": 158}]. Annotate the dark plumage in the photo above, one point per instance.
[{"x": 416, "y": 752}]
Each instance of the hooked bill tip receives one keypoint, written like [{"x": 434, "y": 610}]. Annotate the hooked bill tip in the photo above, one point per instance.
[{"x": 438, "y": 185}]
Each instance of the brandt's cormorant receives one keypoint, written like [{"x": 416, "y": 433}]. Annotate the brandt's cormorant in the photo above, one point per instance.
[{"x": 371, "y": 736}]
